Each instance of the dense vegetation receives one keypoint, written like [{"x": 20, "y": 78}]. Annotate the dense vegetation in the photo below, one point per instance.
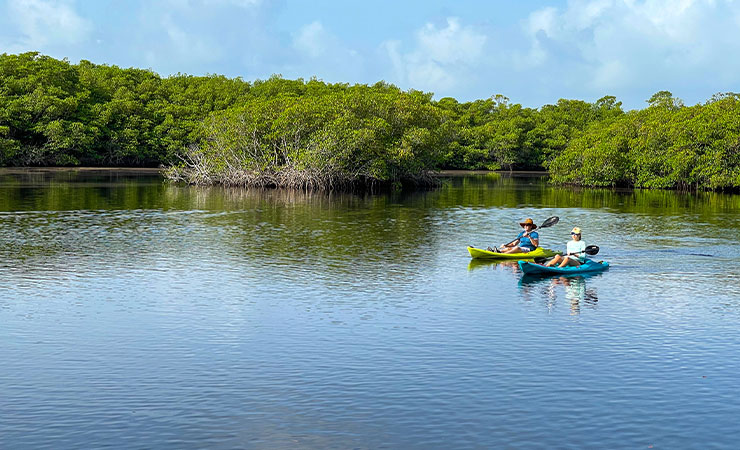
[
  {"x": 666, "y": 145},
  {"x": 309, "y": 133}
]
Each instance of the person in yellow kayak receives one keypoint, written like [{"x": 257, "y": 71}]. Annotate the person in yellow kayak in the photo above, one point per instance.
[
  {"x": 525, "y": 242},
  {"x": 575, "y": 252}
]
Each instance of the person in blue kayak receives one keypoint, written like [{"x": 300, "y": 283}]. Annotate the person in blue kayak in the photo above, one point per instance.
[
  {"x": 525, "y": 242},
  {"x": 575, "y": 254}
]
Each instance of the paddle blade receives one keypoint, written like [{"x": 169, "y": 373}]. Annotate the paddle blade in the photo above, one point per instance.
[
  {"x": 550, "y": 222},
  {"x": 592, "y": 249}
]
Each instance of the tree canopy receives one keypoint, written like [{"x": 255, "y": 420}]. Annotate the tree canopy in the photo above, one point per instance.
[{"x": 312, "y": 133}]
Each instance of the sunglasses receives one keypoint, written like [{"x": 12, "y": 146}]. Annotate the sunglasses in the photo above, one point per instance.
[{"x": 575, "y": 234}]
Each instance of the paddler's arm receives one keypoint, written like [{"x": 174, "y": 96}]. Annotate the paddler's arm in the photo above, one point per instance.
[{"x": 511, "y": 244}]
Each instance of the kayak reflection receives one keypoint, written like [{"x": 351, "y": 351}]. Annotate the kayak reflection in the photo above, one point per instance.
[
  {"x": 510, "y": 265},
  {"x": 574, "y": 288}
]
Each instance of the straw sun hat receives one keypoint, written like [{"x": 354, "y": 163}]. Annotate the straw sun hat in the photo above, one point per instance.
[{"x": 528, "y": 222}]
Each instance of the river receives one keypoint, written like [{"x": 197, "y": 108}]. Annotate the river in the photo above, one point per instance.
[{"x": 140, "y": 314}]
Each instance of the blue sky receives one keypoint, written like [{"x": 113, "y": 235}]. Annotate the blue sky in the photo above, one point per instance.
[{"x": 534, "y": 52}]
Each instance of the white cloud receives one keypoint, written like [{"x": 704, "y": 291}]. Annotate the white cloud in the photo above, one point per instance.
[
  {"x": 312, "y": 39},
  {"x": 544, "y": 20},
  {"x": 186, "y": 4},
  {"x": 188, "y": 44},
  {"x": 441, "y": 58},
  {"x": 318, "y": 52},
  {"x": 239, "y": 3},
  {"x": 451, "y": 45},
  {"x": 393, "y": 50},
  {"x": 44, "y": 23},
  {"x": 607, "y": 44},
  {"x": 230, "y": 37}
]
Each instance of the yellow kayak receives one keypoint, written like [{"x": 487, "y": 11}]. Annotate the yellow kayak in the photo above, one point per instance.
[{"x": 539, "y": 252}]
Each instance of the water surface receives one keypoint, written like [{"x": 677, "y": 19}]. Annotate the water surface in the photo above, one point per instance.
[{"x": 140, "y": 314}]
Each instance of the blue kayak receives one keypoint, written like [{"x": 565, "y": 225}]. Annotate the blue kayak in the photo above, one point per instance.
[{"x": 589, "y": 266}]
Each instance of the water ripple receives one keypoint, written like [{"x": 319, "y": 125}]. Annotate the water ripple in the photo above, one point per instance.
[{"x": 191, "y": 317}]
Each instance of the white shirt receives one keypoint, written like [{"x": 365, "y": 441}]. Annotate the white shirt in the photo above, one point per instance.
[{"x": 575, "y": 247}]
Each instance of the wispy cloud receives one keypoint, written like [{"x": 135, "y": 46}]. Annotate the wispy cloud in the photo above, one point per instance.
[
  {"x": 312, "y": 39},
  {"x": 41, "y": 24},
  {"x": 214, "y": 3},
  {"x": 319, "y": 52},
  {"x": 204, "y": 36},
  {"x": 570, "y": 48},
  {"x": 441, "y": 58},
  {"x": 190, "y": 45},
  {"x": 606, "y": 44}
]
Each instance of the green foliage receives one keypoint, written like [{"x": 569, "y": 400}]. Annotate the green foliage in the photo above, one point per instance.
[
  {"x": 665, "y": 100},
  {"x": 307, "y": 132},
  {"x": 495, "y": 133},
  {"x": 664, "y": 146},
  {"x": 596, "y": 158},
  {"x": 350, "y": 136},
  {"x": 56, "y": 113}
]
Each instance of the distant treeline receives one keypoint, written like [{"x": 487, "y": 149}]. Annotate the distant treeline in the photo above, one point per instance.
[{"x": 281, "y": 132}]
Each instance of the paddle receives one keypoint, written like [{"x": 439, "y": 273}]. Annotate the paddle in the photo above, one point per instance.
[
  {"x": 590, "y": 250},
  {"x": 547, "y": 223}
]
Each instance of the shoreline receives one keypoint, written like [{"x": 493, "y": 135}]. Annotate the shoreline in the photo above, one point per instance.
[
  {"x": 460, "y": 172},
  {"x": 441, "y": 173},
  {"x": 131, "y": 170},
  {"x": 446, "y": 172}
]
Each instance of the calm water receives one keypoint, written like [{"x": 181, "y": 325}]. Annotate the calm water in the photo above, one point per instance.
[{"x": 136, "y": 314}]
